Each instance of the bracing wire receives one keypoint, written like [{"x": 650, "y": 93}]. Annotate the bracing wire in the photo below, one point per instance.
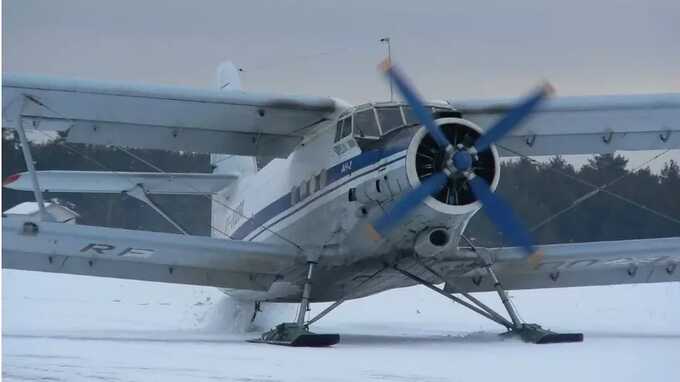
[
  {"x": 107, "y": 168},
  {"x": 153, "y": 166},
  {"x": 597, "y": 190},
  {"x": 267, "y": 228}
]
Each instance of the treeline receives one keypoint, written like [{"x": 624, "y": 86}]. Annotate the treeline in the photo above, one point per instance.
[
  {"x": 629, "y": 204},
  {"x": 536, "y": 192}
]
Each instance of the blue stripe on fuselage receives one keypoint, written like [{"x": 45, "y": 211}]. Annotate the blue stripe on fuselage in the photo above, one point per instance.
[{"x": 334, "y": 174}]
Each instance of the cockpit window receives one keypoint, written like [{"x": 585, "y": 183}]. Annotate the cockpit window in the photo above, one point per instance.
[
  {"x": 346, "y": 127},
  {"x": 409, "y": 116},
  {"x": 365, "y": 125},
  {"x": 390, "y": 118},
  {"x": 338, "y": 131},
  {"x": 343, "y": 129},
  {"x": 375, "y": 120},
  {"x": 441, "y": 110}
]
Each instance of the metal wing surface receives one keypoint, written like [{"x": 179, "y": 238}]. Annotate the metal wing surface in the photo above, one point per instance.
[
  {"x": 571, "y": 265},
  {"x": 139, "y": 255},
  {"x": 585, "y": 124},
  {"x": 162, "y": 117},
  {"x": 107, "y": 182}
]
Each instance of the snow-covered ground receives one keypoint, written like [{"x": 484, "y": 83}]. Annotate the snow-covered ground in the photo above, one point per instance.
[{"x": 58, "y": 327}]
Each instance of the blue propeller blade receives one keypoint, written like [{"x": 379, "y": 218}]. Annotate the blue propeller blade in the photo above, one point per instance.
[
  {"x": 414, "y": 100},
  {"x": 410, "y": 201},
  {"x": 513, "y": 118},
  {"x": 501, "y": 214}
]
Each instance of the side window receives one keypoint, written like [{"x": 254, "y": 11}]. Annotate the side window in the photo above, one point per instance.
[
  {"x": 365, "y": 124},
  {"x": 304, "y": 191},
  {"x": 323, "y": 178},
  {"x": 390, "y": 118},
  {"x": 346, "y": 127},
  {"x": 343, "y": 128},
  {"x": 317, "y": 183},
  {"x": 294, "y": 196},
  {"x": 312, "y": 185},
  {"x": 338, "y": 131}
]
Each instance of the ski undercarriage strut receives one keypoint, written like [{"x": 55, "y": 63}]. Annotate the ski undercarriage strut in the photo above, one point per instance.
[
  {"x": 532, "y": 333},
  {"x": 297, "y": 333}
]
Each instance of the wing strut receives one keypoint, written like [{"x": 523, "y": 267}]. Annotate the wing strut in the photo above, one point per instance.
[
  {"x": 138, "y": 192},
  {"x": 30, "y": 166}
]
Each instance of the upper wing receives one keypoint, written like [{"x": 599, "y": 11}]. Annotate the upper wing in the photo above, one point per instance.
[
  {"x": 139, "y": 255},
  {"x": 162, "y": 117},
  {"x": 569, "y": 265},
  {"x": 585, "y": 125}
]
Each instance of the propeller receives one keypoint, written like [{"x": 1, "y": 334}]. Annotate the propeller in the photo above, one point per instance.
[{"x": 459, "y": 161}]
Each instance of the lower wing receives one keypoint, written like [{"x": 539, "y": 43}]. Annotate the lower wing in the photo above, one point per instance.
[
  {"x": 571, "y": 265},
  {"x": 139, "y": 255}
]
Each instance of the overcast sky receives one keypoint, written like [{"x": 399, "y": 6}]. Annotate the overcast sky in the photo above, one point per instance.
[{"x": 452, "y": 49}]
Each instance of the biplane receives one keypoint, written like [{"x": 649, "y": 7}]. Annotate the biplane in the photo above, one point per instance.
[{"x": 316, "y": 200}]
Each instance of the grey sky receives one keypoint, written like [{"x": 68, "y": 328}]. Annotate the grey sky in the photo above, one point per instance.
[{"x": 452, "y": 49}]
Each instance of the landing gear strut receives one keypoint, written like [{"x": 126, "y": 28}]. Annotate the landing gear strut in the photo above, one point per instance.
[
  {"x": 256, "y": 309},
  {"x": 531, "y": 333},
  {"x": 297, "y": 333}
]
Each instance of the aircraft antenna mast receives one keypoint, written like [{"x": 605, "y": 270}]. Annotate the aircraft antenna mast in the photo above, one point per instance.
[{"x": 386, "y": 41}]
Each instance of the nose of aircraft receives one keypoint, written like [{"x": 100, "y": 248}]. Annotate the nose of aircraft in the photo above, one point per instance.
[{"x": 459, "y": 161}]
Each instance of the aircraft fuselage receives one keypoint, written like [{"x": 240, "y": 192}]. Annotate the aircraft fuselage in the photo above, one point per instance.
[{"x": 322, "y": 198}]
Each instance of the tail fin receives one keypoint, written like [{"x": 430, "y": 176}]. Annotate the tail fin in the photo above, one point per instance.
[{"x": 228, "y": 77}]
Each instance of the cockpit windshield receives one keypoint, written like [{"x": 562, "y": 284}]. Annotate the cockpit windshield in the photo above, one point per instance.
[
  {"x": 390, "y": 118},
  {"x": 372, "y": 121},
  {"x": 409, "y": 116},
  {"x": 365, "y": 125}
]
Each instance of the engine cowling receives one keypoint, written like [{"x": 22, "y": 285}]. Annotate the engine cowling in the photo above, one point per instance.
[{"x": 425, "y": 157}]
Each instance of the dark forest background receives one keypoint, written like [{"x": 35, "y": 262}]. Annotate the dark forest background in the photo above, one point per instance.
[{"x": 536, "y": 191}]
